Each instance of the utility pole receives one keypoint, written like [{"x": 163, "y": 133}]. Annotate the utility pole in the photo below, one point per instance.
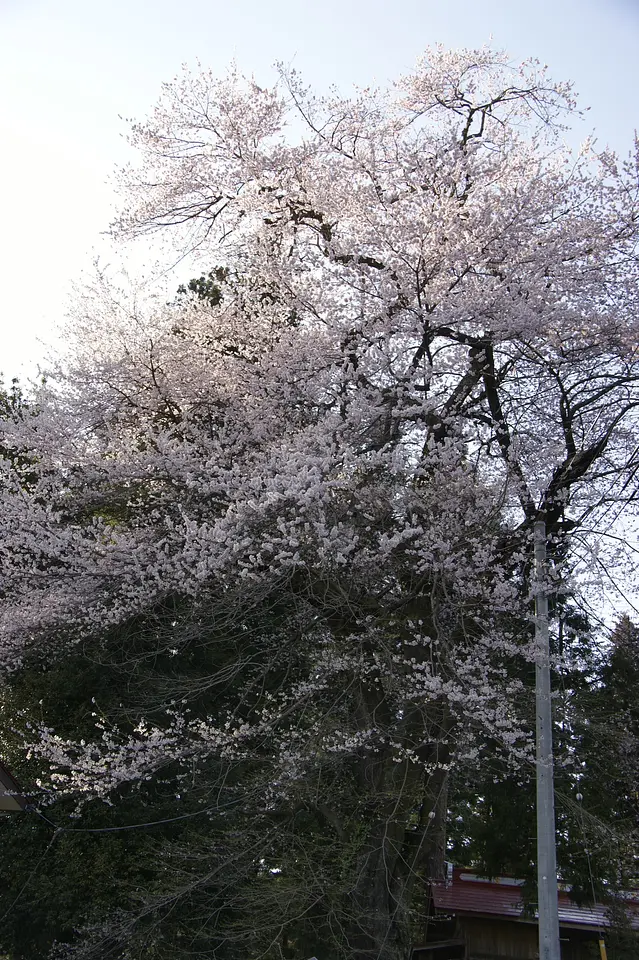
[{"x": 549, "y": 948}]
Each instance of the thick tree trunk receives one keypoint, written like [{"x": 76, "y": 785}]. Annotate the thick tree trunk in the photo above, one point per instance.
[
  {"x": 380, "y": 928},
  {"x": 402, "y": 854},
  {"x": 402, "y": 812}
]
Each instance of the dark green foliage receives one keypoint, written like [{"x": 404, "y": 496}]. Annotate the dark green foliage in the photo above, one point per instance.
[
  {"x": 208, "y": 287},
  {"x": 14, "y": 406},
  {"x": 53, "y": 882},
  {"x": 622, "y": 942},
  {"x": 608, "y": 730},
  {"x": 596, "y": 744},
  {"x": 288, "y": 862}
]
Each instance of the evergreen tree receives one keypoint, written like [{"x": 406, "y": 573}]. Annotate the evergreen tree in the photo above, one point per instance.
[{"x": 596, "y": 746}]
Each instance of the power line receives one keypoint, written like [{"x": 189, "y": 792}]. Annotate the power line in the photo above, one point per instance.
[{"x": 133, "y": 826}]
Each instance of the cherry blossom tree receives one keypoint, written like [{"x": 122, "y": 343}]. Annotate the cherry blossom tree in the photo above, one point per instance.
[{"x": 318, "y": 476}]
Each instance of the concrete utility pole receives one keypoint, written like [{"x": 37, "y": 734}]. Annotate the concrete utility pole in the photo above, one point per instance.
[{"x": 549, "y": 948}]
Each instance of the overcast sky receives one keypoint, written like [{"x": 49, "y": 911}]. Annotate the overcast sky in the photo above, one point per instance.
[{"x": 70, "y": 68}]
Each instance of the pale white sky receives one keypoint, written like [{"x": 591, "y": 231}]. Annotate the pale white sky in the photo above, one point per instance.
[{"x": 69, "y": 68}]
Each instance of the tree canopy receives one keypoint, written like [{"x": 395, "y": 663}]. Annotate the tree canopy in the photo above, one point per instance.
[{"x": 288, "y": 514}]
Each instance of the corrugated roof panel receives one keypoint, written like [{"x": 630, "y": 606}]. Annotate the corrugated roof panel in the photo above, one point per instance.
[{"x": 469, "y": 893}]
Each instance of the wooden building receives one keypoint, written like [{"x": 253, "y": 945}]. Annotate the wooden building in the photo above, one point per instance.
[{"x": 473, "y": 918}]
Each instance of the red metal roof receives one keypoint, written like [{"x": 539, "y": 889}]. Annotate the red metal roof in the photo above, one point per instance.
[{"x": 469, "y": 893}]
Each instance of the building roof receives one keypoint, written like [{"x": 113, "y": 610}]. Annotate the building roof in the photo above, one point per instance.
[
  {"x": 12, "y": 799},
  {"x": 468, "y": 893}
]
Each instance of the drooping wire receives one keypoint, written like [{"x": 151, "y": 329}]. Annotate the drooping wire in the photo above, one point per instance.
[
  {"x": 579, "y": 799},
  {"x": 133, "y": 826}
]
